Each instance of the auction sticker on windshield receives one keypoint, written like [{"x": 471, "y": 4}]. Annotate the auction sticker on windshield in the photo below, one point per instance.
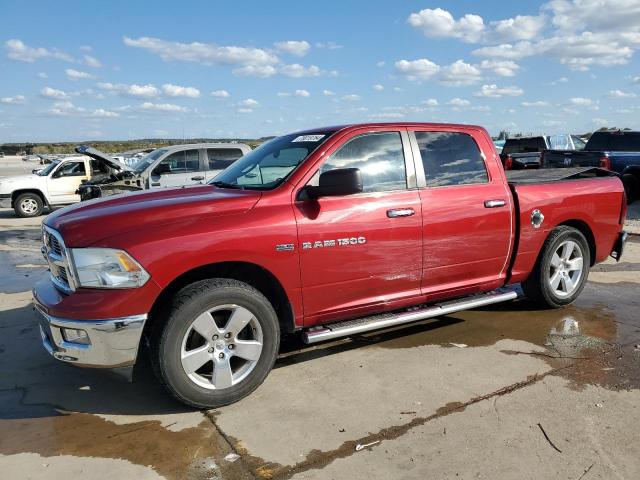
[{"x": 308, "y": 138}]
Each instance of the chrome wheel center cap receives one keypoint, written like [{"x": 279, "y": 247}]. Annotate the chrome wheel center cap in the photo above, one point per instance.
[{"x": 220, "y": 345}]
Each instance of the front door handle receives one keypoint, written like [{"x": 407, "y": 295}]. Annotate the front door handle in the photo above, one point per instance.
[
  {"x": 400, "y": 212},
  {"x": 197, "y": 179},
  {"x": 494, "y": 203}
]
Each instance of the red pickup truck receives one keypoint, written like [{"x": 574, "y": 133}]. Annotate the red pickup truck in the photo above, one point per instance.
[{"x": 328, "y": 232}]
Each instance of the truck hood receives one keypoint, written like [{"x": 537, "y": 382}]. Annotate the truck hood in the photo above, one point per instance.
[
  {"x": 7, "y": 185},
  {"x": 103, "y": 158},
  {"x": 86, "y": 223}
]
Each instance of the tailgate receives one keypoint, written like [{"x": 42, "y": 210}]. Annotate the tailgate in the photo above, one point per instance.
[{"x": 570, "y": 158}]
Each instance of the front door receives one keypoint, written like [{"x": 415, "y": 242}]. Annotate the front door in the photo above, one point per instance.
[
  {"x": 179, "y": 168},
  {"x": 65, "y": 180},
  {"x": 466, "y": 208},
  {"x": 362, "y": 252}
]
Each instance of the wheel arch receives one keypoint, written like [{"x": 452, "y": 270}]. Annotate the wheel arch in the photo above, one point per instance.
[
  {"x": 16, "y": 193},
  {"x": 252, "y": 274},
  {"x": 584, "y": 228}
]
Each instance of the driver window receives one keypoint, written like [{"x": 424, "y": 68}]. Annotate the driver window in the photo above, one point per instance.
[
  {"x": 71, "y": 169},
  {"x": 186, "y": 161},
  {"x": 380, "y": 158}
]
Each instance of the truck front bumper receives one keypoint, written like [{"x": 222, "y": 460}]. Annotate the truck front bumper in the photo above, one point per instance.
[{"x": 111, "y": 343}]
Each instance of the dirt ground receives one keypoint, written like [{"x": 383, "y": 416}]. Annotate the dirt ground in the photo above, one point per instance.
[{"x": 505, "y": 391}]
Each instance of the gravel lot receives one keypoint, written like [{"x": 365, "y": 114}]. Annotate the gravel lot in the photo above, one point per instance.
[{"x": 524, "y": 394}]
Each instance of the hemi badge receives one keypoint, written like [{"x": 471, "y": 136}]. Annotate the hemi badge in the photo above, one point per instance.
[{"x": 284, "y": 247}]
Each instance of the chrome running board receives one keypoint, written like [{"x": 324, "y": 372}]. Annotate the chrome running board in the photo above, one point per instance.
[{"x": 384, "y": 320}]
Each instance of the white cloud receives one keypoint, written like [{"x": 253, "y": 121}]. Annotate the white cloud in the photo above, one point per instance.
[
  {"x": 102, "y": 113},
  {"x": 503, "y": 68},
  {"x": 493, "y": 91},
  {"x": 329, "y": 45},
  {"x": 602, "y": 122},
  {"x": 296, "y": 70},
  {"x": 204, "y": 53},
  {"x": 328, "y": 93},
  {"x": 621, "y": 94},
  {"x": 440, "y": 23},
  {"x": 220, "y": 94},
  {"x": 260, "y": 71},
  {"x": 17, "y": 100},
  {"x": 381, "y": 63},
  {"x": 351, "y": 98},
  {"x": 18, "y": 50},
  {"x": 298, "y": 48},
  {"x": 417, "y": 70},
  {"x": 49, "y": 92},
  {"x": 77, "y": 74},
  {"x": 387, "y": 115},
  {"x": 431, "y": 102},
  {"x": 536, "y": 104},
  {"x": 244, "y": 110},
  {"x": 581, "y": 101},
  {"x": 91, "y": 61},
  {"x": 42, "y": 75},
  {"x": 66, "y": 109},
  {"x": 171, "y": 90},
  {"x": 249, "y": 102},
  {"x": 133, "y": 90},
  {"x": 459, "y": 73},
  {"x": 459, "y": 102},
  {"x": 163, "y": 107},
  {"x": 378, "y": 88},
  {"x": 508, "y": 51},
  {"x": 301, "y": 93},
  {"x": 522, "y": 27}
]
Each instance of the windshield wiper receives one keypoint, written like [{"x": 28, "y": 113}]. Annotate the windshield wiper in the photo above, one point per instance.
[{"x": 221, "y": 184}]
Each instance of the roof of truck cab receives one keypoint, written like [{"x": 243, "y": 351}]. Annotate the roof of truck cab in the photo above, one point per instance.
[
  {"x": 336, "y": 128},
  {"x": 184, "y": 146}
]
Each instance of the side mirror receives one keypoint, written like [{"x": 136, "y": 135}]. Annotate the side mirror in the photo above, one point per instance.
[
  {"x": 161, "y": 169},
  {"x": 338, "y": 182}
]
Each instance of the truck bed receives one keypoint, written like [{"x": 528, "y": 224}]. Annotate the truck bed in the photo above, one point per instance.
[{"x": 551, "y": 175}]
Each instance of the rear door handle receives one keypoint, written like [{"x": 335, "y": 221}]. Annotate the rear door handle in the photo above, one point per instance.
[
  {"x": 400, "y": 212},
  {"x": 197, "y": 179},
  {"x": 494, "y": 203}
]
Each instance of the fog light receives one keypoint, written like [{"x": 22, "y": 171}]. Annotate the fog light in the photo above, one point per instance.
[{"x": 74, "y": 335}]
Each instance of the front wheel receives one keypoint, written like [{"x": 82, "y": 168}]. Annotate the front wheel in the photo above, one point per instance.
[
  {"x": 28, "y": 205},
  {"x": 218, "y": 344},
  {"x": 562, "y": 269}
]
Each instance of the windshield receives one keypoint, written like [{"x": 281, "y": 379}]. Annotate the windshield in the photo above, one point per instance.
[
  {"x": 268, "y": 165},
  {"x": 142, "y": 164},
  {"x": 578, "y": 143},
  {"x": 48, "y": 169}
]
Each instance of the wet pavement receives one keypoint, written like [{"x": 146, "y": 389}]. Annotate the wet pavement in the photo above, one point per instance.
[{"x": 505, "y": 391}]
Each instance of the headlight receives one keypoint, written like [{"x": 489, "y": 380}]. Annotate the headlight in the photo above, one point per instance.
[{"x": 106, "y": 268}]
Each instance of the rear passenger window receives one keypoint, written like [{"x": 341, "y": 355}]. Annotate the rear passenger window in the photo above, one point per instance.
[
  {"x": 451, "y": 158},
  {"x": 221, "y": 158},
  {"x": 379, "y": 157},
  {"x": 185, "y": 161}
]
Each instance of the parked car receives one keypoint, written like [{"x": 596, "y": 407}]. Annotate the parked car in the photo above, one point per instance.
[
  {"x": 524, "y": 152},
  {"x": 54, "y": 185},
  {"x": 173, "y": 166},
  {"x": 1, "y": 154},
  {"x": 618, "y": 151},
  {"x": 329, "y": 232}
]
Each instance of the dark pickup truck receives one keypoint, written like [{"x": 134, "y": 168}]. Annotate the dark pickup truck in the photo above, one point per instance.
[
  {"x": 524, "y": 152},
  {"x": 618, "y": 151}
]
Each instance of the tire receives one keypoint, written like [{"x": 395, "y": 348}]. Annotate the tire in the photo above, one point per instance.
[
  {"x": 28, "y": 205},
  {"x": 569, "y": 279},
  {"x": 631, "y": 187},
  {"x": 201, "y": 317}
]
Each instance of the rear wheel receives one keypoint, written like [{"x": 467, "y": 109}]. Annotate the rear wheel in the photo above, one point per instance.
[
  {"x": 28, "y": 205},
  {"x": 218, "y": 344},
  {"x": 561, "y": 270},
  {"x": 631, "y": 187}
]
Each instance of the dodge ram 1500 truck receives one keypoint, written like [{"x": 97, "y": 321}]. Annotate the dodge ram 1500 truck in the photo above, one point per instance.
[{"x": 328, "y": 232}]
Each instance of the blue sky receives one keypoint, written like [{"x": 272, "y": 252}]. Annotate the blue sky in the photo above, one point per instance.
[{"x": 77, "y": 70}]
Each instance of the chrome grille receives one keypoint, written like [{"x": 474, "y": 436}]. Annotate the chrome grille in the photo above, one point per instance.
[{"x": 55, "y": 253}]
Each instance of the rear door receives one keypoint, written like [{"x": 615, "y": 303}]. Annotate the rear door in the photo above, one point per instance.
[
  {"x": 65, "y": 180},
  {"x": 185, "y": 167},
  {"x": 362, "y": 252},
  {"x": 217, "y": 159},
  {"x": 466, "y": 211}
]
